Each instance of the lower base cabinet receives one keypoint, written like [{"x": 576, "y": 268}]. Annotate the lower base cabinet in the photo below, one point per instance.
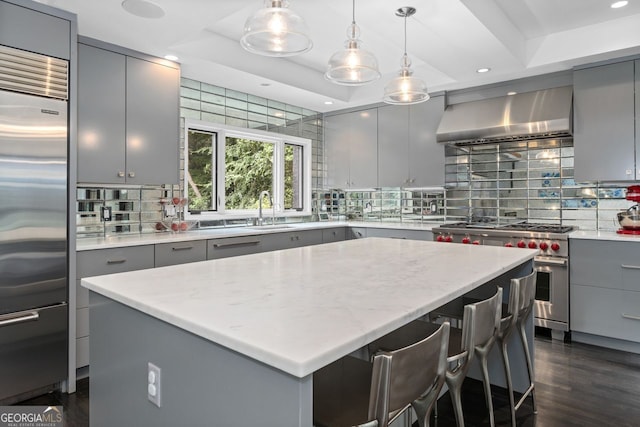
[
  {"x": 605, "y": 289},
  {"x": 96, "y": 263},
  {"x": 392, "y": 233}
]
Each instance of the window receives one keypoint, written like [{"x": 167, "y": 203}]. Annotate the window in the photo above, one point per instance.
[{"x": 227, "y": 168}]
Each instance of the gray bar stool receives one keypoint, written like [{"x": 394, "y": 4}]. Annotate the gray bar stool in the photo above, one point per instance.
[
  {"x": 522, "y": 295},
  {"x": 480, "y": 323},
  {"x": 356, "y": 392}
]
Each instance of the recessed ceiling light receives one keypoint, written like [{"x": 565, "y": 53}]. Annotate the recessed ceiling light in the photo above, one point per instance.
[
  {"x": 279, "y": 114},
  {"x": 511, "y": 93},
  {"x": 619, "y": 4},
  {"x": 328, "y": 102},
  {"x": 143, "y": 9},
  {"x": 171, "y": 57},
  {"x": 483, "y": 70}
]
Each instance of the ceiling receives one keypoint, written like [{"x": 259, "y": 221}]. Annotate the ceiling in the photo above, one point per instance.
[{"x": 448, "y": 40}]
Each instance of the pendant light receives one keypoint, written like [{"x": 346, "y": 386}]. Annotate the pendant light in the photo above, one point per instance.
[
  {"x": 352, "y": 66},
  {"x": 276, "y": 30},
  {"x": 405, "y": 89}
]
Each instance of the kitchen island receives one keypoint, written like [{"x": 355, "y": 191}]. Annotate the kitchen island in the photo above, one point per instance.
[{"x": 238, "y": 339}]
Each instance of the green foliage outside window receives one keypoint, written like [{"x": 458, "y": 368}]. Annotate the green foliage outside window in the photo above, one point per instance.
[{"x": 249, "y": 170}]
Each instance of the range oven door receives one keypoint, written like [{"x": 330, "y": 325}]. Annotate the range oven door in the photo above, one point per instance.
[{"x": 552, "y": 293}]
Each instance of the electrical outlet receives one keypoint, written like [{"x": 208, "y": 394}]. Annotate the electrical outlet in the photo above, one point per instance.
[
  {"x": 105, "y": 213},
  {"x": 153, "y": 384}
]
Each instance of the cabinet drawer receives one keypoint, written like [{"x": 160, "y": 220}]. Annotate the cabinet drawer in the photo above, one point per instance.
[
  {"x": 233, "y": 246},
  {"x": 82, "y": 295},
  {"x": 82, "y": 352},
  {"x": 180, "y": 252},
  {"x": 605, "y": 264},
  {"x": 333, "y": 234},
  {"x": 82, "y": 322},
  {"x": 115, "y": 260},
  {"x": 609, "y": 313},
  {"x": 400, "y": 234}
]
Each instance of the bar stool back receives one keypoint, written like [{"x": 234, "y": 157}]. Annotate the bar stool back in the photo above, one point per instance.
[{"x": 355, "y": 392}]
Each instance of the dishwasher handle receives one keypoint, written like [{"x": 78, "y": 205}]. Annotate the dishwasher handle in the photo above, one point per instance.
[{"x": 12, "y": 320}]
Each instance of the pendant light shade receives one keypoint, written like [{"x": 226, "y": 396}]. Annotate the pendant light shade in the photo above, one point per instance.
[
  {"x": 405, "y": 89},
  {"x": 352, "y": 66},
  {"x": 276, "y": 30}
]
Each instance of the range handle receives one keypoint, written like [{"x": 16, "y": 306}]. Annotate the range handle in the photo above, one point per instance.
[
  {"x": 13, "y": 319},
  {"x": 551, "y": 261}
]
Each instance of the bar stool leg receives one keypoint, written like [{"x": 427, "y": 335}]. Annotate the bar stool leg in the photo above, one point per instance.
[
  {"x": 507, "y": 373},
  {"x": 485, "y": 381},
  {"x": 527, "y": 353}
]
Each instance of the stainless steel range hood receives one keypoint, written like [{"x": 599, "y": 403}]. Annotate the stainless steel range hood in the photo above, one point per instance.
[{"x": 525, "y": 116}]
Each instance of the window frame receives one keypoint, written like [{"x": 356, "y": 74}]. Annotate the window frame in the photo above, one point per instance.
[{"x": 279, "y": 140}]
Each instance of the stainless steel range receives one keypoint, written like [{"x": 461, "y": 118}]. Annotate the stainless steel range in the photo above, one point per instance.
[{"x": 552, "y": 264}]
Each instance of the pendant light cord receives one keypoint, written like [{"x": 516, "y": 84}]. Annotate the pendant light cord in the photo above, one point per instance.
[
  {"x": 405, "y": 34},
  {"x": 353, "y": 21}
]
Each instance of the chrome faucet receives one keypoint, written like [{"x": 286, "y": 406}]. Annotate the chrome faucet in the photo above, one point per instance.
[{"x": 262, "y": 194}]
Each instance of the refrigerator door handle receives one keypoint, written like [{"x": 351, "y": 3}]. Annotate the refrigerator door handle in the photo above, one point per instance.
[{"x": 19, "y": 319}]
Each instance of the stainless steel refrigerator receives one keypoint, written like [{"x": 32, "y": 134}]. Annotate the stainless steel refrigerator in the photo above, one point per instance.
[{"x": 33, "y": 233}]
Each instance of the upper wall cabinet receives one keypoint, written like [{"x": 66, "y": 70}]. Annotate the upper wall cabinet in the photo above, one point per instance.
[
  {"x": 352, "y": 150},
  {"x": 605, "y": 111},
  {"x": 128, "y": 118},
  {"x": 34, "y": 31},
  {"x": 408, "y": 154}
]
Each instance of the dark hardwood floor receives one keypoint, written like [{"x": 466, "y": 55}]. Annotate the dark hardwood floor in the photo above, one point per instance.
[{"x": 576, "y": 385}]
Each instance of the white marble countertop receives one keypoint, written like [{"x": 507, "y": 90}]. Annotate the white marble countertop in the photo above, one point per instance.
[
  {"x": 301, "y": 309},
  {"x": 604, "y": 235},
  {"x": 88, "y": 244}
]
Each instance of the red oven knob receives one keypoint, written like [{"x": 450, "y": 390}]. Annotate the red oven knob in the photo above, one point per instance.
[
  {"x": 522, "y": 244},
  {"x": 555, "y": 247},
  {"x": 466, "y": 240},
  {"x": 476, "y": 242},
  {"x": 448, "y": 239},
  {"x": 440, "y": 238},
  {"x": 508, "y": 245},
  {"x": 544, "y": 246},
  {"x": 533, "y": 245}
]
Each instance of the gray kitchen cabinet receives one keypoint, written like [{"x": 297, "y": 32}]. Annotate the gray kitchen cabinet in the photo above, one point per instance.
[
  {"x": 180, "y": 252},
  {"x": 604, "y": 123},
  {"x": 605, "y": 289},
  {"x": 426, "y": 156},
  {"x": 128, "y": 118},
  {"x": 408, "y": 154},
  {"x": 34, "y": 31},
  {"x": 394, "y": 233},
  {"x": 393, "y": 146},
  {"x": 351, "y": 143},
  {"x": 96, "y": 263},
  {"x": 234, "y": 246},
  {"x": 291, "y": 239},
  {"x": 337, "y": 234},
  {"x": 101, "y": 115},
  {"x": 153, "y": 123}
]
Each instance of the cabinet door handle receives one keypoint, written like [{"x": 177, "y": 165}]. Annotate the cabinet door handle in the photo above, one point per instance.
[
  {"x": 631, "y": 267},
  {"x": 630, "y": 316},
  {"x": 116, "y": 261},
  {"x": 183, "y": 248},
  {"x": 120, "y": 174},
  {"x": 20, "y": 319},
  {"x": 227, "y": 245}
]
